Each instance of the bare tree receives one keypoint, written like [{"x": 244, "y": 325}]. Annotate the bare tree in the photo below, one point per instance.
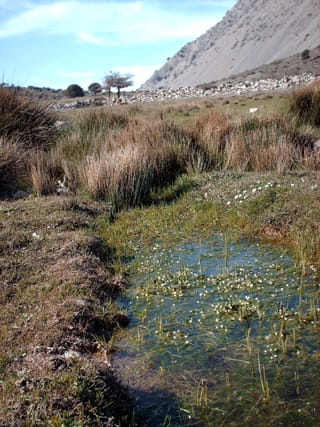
[{"x": 115, "y": 79}]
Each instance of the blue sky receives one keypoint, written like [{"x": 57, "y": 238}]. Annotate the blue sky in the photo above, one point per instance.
[{"x": 55, "y": 43}]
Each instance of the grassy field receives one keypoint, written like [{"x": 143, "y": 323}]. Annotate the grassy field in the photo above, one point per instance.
[{"x": 71, "y": 196}]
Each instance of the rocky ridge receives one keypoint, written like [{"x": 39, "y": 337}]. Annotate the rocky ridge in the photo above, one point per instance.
[
  {"x": 227, "y": 88},
  {"x": 252, "y": 33}
]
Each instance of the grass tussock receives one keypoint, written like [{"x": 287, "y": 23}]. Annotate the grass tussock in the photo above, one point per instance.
[
  {"x": 25, "y": 128},
  {"x": 25, "y": 120},
  {"x": 259, "y": 143},
  {"x": 271, "y": 143},
  {"x": 122, "y": 156},
  {"x": 100, "y": 121},
  {"x": 305, "y": 104},
  {"x": 12, "y": 164},
  {"x": 126, "y": 175}
]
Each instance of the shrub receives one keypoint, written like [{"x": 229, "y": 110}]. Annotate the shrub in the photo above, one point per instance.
[
  {"x": 73, "y": 91},
  {"x": 95, "y": 88},
  {"x": 305, "y": 54}
]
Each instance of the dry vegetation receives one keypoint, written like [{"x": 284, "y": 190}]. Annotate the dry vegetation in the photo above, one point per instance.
[{"x": 58, "y": 313}]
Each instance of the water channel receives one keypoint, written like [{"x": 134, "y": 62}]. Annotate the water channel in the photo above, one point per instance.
[{"x": 223, "y": 332}]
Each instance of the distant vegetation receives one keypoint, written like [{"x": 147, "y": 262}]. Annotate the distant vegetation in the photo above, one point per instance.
[
  {"x": 305, "y": 54},
  {"x": 95, "y": 88},
  {"x": 117, "y": 80},
  {"x": 74, "y": 91}
]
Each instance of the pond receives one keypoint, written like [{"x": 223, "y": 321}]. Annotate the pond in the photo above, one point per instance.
[{"x": 223, "y": 332}]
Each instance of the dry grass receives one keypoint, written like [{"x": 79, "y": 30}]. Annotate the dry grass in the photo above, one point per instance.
[
  {"x": 265, "y": 144},
  {"x": 54, "y": 304},
  {"x": 12, "y": 164},
  {"x": 122, "y": 155},
  {"x": 212, "y": 130},
  {"x": 25, "y": 127},
  {"x": 305, "y": 104},
  {"x": 256, "y": 143},
  {"x": 55, "y": 293},
  {"x": 25, "y": 120},
  {"x": 132, "y": 163}
]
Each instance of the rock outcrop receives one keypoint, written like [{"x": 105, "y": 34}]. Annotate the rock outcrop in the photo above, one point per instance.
[{"x": 252, "y": 33}]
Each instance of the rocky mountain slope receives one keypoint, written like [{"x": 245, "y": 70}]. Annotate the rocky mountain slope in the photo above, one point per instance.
[{"x": 252, "y": 33}]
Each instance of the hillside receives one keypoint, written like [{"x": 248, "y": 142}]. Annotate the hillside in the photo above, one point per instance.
[
  {"x": 252, "y": 33},
  {"x": 293, "y": 65}
]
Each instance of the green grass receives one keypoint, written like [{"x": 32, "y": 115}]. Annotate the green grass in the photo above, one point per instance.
[{"x": 267, "y": 205}]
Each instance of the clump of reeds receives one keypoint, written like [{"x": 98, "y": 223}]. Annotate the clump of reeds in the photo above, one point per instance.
[
  {"x": 12, "y": 161},
  {"x": 211, "y": 130},
  {"x": 305, "y": 104},
  {"x": 25, "y": 127},
  {"x": 267, "y": 143},
  {"x": 126, "y": 176},
  {"x": 100, "y": 121},
  {"x": 46, "y": 168},
  {"x": 22, "y": 118},
  {"x": 123, "y": 157}
]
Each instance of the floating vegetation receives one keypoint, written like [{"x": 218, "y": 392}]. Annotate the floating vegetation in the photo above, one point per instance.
[{"x": 228, "y": 329}]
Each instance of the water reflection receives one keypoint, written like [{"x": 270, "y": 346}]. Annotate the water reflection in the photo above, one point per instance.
[{"x": 219, "y": 326}]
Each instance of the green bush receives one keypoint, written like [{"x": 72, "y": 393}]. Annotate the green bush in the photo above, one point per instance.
[
  {"x": 73, "y": 91},
  {"x": 305, "y": 54},
  {"x": 95, "y": 88}
]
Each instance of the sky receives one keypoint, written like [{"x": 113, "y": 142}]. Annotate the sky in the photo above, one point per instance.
[{"x": 57, "y": 43}]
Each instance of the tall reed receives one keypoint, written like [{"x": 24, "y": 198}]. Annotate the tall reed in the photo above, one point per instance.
[
  {"x": 305, "y": 104},
  {"x": 259, "y": 143},
  {"x": 25, "y": 119},
  {"x": 12, "y": 164}
]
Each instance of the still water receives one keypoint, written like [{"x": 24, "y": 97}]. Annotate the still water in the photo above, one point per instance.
[{"x": 223, "y": 332}]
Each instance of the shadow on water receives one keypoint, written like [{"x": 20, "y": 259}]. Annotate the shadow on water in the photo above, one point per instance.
[{"x": 156, "y": 404}]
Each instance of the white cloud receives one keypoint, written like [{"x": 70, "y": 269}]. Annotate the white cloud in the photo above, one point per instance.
[
  {"x": 91, "y": 39},
  {"x": 106, "y": 23}
]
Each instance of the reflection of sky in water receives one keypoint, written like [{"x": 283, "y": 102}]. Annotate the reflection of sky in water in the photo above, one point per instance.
[
  {"x": 193, "y": 304},
  {"x": 215, "y": 255},
  {"x": 203, "y": 302}
]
